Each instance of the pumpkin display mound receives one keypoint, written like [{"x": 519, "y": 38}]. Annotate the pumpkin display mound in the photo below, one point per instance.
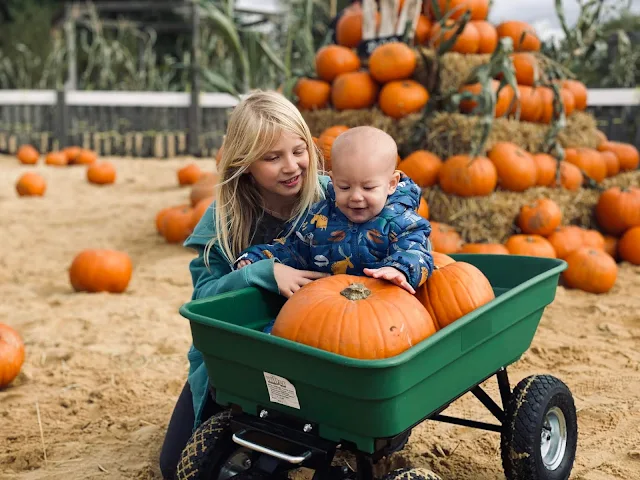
[
  {"x": 494, "y": 218},
  {"x": 353, "y": 316},
  {"x": 106, "y": 370}
]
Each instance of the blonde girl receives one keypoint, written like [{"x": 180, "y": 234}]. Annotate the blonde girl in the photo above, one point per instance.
[{"x": 268, "y": 176}]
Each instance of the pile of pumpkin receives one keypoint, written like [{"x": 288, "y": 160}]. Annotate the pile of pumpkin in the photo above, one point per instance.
[
  {"x": 33, "y": 184},
  {"x": 506, "y": 165},
  {"x": 453, "y": 290},
  {"x": 591, "y": 256}
]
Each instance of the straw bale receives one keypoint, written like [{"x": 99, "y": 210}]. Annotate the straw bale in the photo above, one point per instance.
[
  {"x": 455, "y": 68},
  {"x": 449, "y": 134},
  {"x": 492, "y": 218}
]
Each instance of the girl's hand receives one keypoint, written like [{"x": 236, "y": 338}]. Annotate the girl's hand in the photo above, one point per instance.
[
  {"x": 243, "y": 263},
  {"x": 290, "y": 280},
  {"x": 392, "y": 275}
]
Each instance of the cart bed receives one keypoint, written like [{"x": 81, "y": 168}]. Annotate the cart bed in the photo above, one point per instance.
[{"x": 361, "y": 400}]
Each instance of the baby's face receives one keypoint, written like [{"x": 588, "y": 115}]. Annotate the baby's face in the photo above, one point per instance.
[{"x": 362, "y": 187}]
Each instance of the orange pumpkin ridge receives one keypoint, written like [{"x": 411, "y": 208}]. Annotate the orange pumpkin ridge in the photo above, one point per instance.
[
  {"x": 11, "y": 353},
  {"x": 591, "y": 270}
]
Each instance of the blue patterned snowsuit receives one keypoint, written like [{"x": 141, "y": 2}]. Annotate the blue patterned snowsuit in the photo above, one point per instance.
[{"x": 327, "y": 241}]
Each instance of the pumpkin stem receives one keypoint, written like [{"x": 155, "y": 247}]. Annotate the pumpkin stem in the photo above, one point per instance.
[{"x": 356, "y": 291}]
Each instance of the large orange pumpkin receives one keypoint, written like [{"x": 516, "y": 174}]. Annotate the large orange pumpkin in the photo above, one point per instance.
[
  {"x": 312, "y": 93},
  {"x": 422, "y": 167},
  {"x": 579, "y": 91},
  {"x": 86, "y": 157},
  {"x": 27, "y": 155},
  {"x": 571, "y": 177},
  {"x": 530, "y": 245},
  {"x": 353, "y": 91},
  {"x": 400, "y": 98},
  {"x": 101, "y": 173},
  {"x": 441, "y": 259},
  {"x": 525, "y": 65},
  {"x": 392, "y": 61},
  {"x": 486, "y": 248},
  {"x": 31, "y": 184},
  {"x": 515, "y": 30},
  {"x": 100, "y": 270},
  {"x": 162, "y": 213},
  {"x": 467, "y": 42},
  {"x": 627, "y": 154},
  {"x": 453, "y": 291},
  {"x": 488, "y": 36},
  {"x": 618, "y": 209},
  {"x": 332, "y": 60},
  {"x": 530, "y": 104},
  {"x": 516, "y": 168},
  {"x": 547, "y": 167},
  {"x": 11, "y": 353},
  {"x": 629, "y": 246},
  {"x": 590, "y": 269},
  {"x": 349, "y": 26},
  {"x": 56, "y": 159},
  {"x": 611, "y": 246},
  {"x": 444, "y": 238},
  {"x": 571, "y": 237},
  {"x": 176, "y": 224},
  {"x": 466, "y": 177},
  {"x": 612, "y": 163},
  {"x": 588, "y": 160},
  {"x": 423, "y": 30},
  {"x": 329, "y": 313},
  {"x": 541, "y": 217},
  {"x": 325, "y": 142}
]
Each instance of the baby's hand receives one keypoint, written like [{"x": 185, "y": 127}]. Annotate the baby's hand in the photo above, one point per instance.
[
  {"x": 392, "y": 275},
  {"x": 243, "y": 263}
]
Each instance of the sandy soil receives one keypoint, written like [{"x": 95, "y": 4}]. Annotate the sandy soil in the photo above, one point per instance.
[{"x": 103, "y": 371}]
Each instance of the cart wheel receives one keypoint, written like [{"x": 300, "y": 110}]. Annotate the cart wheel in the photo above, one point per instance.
[
  {"x": 207, "y": 448},
  {"x": 411, "y": 474},
  {"x": 540, "y": 431}
]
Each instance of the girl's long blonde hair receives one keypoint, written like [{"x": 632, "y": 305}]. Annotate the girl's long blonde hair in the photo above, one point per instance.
[{"x": 254, "y": 127}]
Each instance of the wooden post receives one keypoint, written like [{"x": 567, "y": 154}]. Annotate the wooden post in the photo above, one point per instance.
[
  {"x": 62, "y": 119},
  {"x": 70, "y": 35},
  {"x": 193, "y": 135}
]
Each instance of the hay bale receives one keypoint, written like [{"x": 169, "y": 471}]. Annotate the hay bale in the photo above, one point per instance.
[
  {"x": 449, "y": 134},
  {"x": 455, "y": 68},
  {"x": 492, "y": 218}
]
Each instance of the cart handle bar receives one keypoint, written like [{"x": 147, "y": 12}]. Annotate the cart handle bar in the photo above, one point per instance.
[{"x": 274, "y": 453}]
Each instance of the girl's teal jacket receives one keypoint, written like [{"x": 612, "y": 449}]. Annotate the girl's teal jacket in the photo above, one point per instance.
[{"x": 215, "y": 279}]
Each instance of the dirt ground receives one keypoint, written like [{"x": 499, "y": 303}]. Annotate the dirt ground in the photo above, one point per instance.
[{"x": 102, "y": 372}]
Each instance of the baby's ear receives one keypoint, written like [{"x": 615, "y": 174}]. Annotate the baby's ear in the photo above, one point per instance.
[{"x": 393, "y": 182}]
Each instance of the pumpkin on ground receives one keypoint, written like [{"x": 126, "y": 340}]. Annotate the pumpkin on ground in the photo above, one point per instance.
[
  {"x": 516, "y": 168},
  {"x": 444, "y": 238},
  {"x": 100, "y": 270},
  {"x": 31, "y": 184},
  {"x": 618, "y": 209},
  {"x": 400, "y": 98},
  {"x": 329, "y": 313},
  {"x": 101, "y": 173},
  {"x": 189, "y": 174},
  {"x": 468, "y": 177},
  {"x": 71, "y": 153},
  {"x": 203, "y": 188},
  {"x": 629, "y": 246},
  {"x": 27, "y": 155},
  {"x": 590, "y": 269},
  {"x": 422, "y": 167},
  {"x": 611, "y": 246},
  {"x": 176, "y": 224},
  {"x": 56, "y": 159},
  {"x": 487, "y": 248},
  {"x": 162, "y": 213},
  {"x": 571, "y": 237},
  {"x": 86, "y": 157},
  {"x": 453, "y": 291},
  {"x": 530, "y": 245},
  {"x": 11, "y": 353},
  {"x": 312, "y": 93},
  {"x": 392, "y": 61},
  {"x": 541, "y": 217}
]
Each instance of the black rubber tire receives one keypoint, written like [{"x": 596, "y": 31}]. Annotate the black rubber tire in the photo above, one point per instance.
[
  {"x": 528, "y": 405},
  {"x": 207, "y": 448},
  {"x": 411, "y": 474}
]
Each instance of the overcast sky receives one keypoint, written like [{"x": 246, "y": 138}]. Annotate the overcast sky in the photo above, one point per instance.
[{"x": 540, "y": 13}]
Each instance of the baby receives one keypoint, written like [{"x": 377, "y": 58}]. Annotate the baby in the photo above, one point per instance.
[{"x": 366, "y": 225}]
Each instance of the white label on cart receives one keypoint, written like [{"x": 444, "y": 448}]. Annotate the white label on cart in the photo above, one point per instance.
[{"x": 281, "y": 391}]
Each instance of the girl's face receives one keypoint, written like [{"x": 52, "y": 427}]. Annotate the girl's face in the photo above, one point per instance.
[{"x": 281, "y": 171}]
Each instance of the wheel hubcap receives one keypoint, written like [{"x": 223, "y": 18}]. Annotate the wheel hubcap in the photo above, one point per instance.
[
  {"x": 237, "y": 463},
  {"x": 553, "y": 438}
]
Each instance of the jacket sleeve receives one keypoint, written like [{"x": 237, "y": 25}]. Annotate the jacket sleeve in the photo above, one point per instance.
[
  {"x": 218, "y": 277},
  {"x": 291, "y": 251},
  {"x": 410, "y": 247}
]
